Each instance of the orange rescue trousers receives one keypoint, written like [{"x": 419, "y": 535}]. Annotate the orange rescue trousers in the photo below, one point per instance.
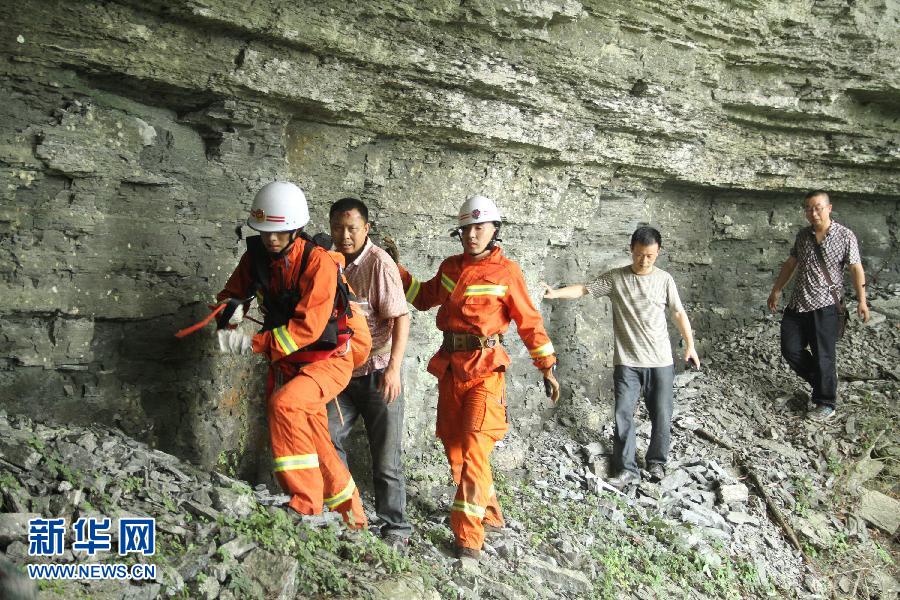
[
  {"x": 306, "y": 464},
  {"x": 471, "y": 419}
]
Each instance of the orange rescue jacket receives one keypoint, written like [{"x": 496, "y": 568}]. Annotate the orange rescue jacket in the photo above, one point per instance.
[
  {"x": 480, "y": 298},
  {"x": 316, "y": 286}
]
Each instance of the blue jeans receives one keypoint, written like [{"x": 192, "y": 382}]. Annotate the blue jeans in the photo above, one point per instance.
[
  {"x": 384, "y": 428},
  {"x": 656, "y": 385}
]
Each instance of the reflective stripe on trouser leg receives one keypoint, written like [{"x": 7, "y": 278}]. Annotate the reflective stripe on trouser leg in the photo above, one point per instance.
[
  {"x": 471, "y": 418},
  {"x": 293, "y": 443},
  {"x": 341, "y": 494},
  {"x": 468, "y": 509}
]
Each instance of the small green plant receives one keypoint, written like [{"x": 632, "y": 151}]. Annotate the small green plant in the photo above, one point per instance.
[
  {"x": 9, "y": 482},
  {"x": 227, "y": 462},
  {"x": 243, "y": 587},
  {"x": 169, "y": 504},
  {"x": 132, "y": 484},
  {"x": 802, "y": 494},
  {"x": 883, "y": 555},
  {"x": 62, "y": 471}
]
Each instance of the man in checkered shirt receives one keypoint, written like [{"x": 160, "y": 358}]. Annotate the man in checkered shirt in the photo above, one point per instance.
[{"x": 811, "y": 318}]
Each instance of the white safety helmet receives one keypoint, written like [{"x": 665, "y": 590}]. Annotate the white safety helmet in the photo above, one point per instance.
[
  {"x": 478, "y": 209},
  {"x": 278, "y": 206}
]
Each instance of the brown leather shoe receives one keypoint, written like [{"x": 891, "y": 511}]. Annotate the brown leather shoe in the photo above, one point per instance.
[
  {"x": 463, "y": 552},
  {"x": 657, "y": 472},
  {"x": 624, "y": 479}
]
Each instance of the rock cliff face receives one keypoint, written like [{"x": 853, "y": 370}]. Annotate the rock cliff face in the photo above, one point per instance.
[{"x": 133, "y": 135}]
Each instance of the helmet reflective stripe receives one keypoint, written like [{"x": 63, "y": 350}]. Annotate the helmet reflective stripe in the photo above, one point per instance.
[
  {"x": 478, "y": 209},
  {"x": 278, "y": 206}
]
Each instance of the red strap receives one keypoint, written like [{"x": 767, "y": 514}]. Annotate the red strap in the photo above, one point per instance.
[{"x": 189, "y": 330}]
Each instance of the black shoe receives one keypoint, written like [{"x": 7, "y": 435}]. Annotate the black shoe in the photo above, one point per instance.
[
  {"x": 656, "y": 471},
  {"x": 624, "y": 479}
]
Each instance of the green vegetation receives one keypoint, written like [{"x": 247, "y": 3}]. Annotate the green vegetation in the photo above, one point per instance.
[
  {"x": 132, "y": 484},
  {"x": 647, "y": 555},
  {"x": 9, "y": 482},
  {"x": 803, "y": 491},
  {"x": 319, "y": 551},
  {"x": 227, "y": 462}
]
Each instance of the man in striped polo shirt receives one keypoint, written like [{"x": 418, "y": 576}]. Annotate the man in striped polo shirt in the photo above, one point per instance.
[
  {"x": 374, "y": 392},
  {"x": 811, "y": 319},
  {"x": 640, "y": 294}
]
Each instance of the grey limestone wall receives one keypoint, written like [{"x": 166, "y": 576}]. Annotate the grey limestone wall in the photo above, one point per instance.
[{"x": 133, "y": 135}]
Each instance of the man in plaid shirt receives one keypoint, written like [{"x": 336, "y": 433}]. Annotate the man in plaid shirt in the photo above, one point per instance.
[{"x": 811, "y": 318}]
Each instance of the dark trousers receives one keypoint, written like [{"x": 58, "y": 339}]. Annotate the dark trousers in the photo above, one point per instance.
[
  {"x": 816, "y": 330},
  {"x": 656, "y": 385},
  {"x": 384, "y": 428}
]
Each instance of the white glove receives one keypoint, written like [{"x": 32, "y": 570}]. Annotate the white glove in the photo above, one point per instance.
[
  {"x": 232, "y": 341},
  {"x": 238, "y": 315}
]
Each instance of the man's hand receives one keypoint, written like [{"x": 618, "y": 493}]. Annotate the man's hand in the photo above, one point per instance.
[
  {"x": 691, "y": 358},
  {"x": 390, "y": 386},
  {"x": 773, "y": 300},
  {"x": 548, "y": 291},
  {"x": 232, "y": 341},
  {"x": 551, "y": 385},
  {"x": 863, "y": 311},
  {"x": 390, "y": 246}
]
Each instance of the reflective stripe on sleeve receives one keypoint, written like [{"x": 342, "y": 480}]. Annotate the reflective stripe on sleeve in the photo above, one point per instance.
[
  {"x": 413, "y": 290},
  {"x": 542, "y": 351},
  {"x": 341, "y": 496},
  {"x": 486, "y": 290},
  {"x": 284, "y": 339},
  {"x": 473, "y": 510},
  {"x": 448, "y": 283},
  {"x": 296, "y": 462}
]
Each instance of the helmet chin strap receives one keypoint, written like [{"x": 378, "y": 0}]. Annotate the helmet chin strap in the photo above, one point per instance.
[
  {"x": 490, "y": 245},
  {"x": 494, "y": 238},
  {"x": 294, "y": 235}
]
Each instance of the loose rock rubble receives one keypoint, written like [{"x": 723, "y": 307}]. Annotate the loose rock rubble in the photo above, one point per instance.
[{"x": 702, "y": 531}]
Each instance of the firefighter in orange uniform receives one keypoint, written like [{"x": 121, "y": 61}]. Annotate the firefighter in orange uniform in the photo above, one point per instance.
[
  {"x": 479, "y": 292},
  {"x": 312, "y": 337}
]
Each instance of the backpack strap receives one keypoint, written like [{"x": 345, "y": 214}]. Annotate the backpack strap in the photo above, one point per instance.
[
  {"x": 838, "y": 301},
  {"x": 307, "y": 250},
  {"x": 259, "y": 260}
]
